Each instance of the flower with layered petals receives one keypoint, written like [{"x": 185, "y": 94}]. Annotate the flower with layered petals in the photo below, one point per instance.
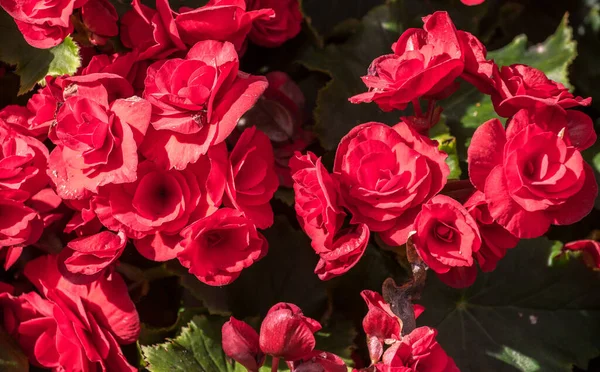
[
  {"x": 425, "y": 64},
  {"x": 217, "y": 248},
  {"x": 153, "y": 209},
  {"x": 96, "y": 138},
  {"x": 417, "y": 352},
  {"x": 23, "y": 162},
  {"x": 221, "y": 20},
  {"x": 446, "y": 238},
  {"x": 251, "y": 180},
  {"x": 75, "y": 327},
  {"x": 495, "y": 239},
  {"x": 532, "y": 178},
  {"x": 100, "y": 19},
  {"x": 197, "y": 102},
  {"x": 524, "y": 87},
  {"x": 385, "y": 174},
  {"x": 44, "y": 24},
  {"x": 319, "y": 212},
  {"x": 20, "y": 225},
  {"x": 152, "y": 33},
  {"x": 272, "y": 32}
]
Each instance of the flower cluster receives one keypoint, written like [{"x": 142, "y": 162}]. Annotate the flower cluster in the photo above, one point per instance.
[
  {"x": 523, "y": 176},
  {"x": 287, "y": 334},
  {"x": 159, "y": 32},
  {"x": 139, "y": 149}
]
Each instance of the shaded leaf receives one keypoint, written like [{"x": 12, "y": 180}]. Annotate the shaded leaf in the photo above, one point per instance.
[
  {"x": 346, "y": 63},
  {"x": 324, "y": 16},
  {"x": 524, "y": 316},
  {"x": 33, "y": 64},
  {"x": 151, "y": 335},
  {"x": 197, "y": 349},
  {"x": 12, "y": 358},
  {"x": 337, "y": 338}
]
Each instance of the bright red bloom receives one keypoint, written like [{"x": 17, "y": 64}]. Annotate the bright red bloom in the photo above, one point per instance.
[
  {"x": 531, "y": 177},
  {"x": 319, "y": 361},
  {"x": 417, "y": 352},
  {"x": 23, "y": 162},
  {"x": 240, "y": 343},
  {"x": 153, "y": 209},
  {"x": 590, "y": 250},
  {"x": 319, "y": 212},
  {"x": 279, "y": 114},
  {"x": 425, "y": 64},
  {"x": 77, "y": 327},
  {"x": 96, "y": 138},
  {"x": 272, "y": 32},
  {"x": 286, "y": 333},
  {"x": 380, "y": 324},
  {"x": 317, "y": 199},
  {"x": 44, "y": 24},
  {"x": 100, "y": 18},
  {"x": 88, "y": 257},
  {"x": 127, "y": 65},
  {"x": 524, "y": 87},
  {"x": 472, "y": 2},
  {"x": 221, "y": 20},
  {"x": 251, "y": 180},
  {"x": 84, "y": 221},
  {"x": 575, "y": 127},
  {"x": 20, "y": 225},
  {"x": 385, "y": 174},
  {"x": 197, "y": 102},
  {"x": 446, "y": 235},
  {"x": 152, "y": 33},
  {"x": 495, "y": 239},
  {"x": 217, "y": 248}
]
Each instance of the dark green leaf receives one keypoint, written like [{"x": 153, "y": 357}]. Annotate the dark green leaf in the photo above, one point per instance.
[
  {"x": 12, "y": 358},
  {"x": 34, "y": 64},
  {"x": 524, "y": 316},
  {"x": 338, "y": 338},
  {"x": 324, "y": 16},
  {"x": 197, "y": 349},
  {"x": 151, "y": 335},
  {"x": 346, "y": 63}
]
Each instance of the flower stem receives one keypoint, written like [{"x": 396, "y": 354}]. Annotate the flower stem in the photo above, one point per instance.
[
  {"x": 275, "y": 364},
  {"x": 417, "y": 108}
]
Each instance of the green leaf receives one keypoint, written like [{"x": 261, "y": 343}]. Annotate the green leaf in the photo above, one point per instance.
[
  {"x": 524, "y": 316},
  {"x": 337, "y": 338},
  {"x": 151, "y": 335},
  {"x": 346, "y": 63},
  {"x": 553, "y": 56},
  {"x": 467, "y": 109},
  {"x": 12, "y": 358},
  {"x": 197, "y": 349},
  {"x": 33, "y": 64},
  {"x": 447, "y": 143},
  {"x": 286, "y": 274}
]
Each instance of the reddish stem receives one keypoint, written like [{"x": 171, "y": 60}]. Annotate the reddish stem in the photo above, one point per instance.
[
  {"x": 417, "y": 107},
  {"x": 430, "y": 111},
  {"x": 275, "y": 364}
]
